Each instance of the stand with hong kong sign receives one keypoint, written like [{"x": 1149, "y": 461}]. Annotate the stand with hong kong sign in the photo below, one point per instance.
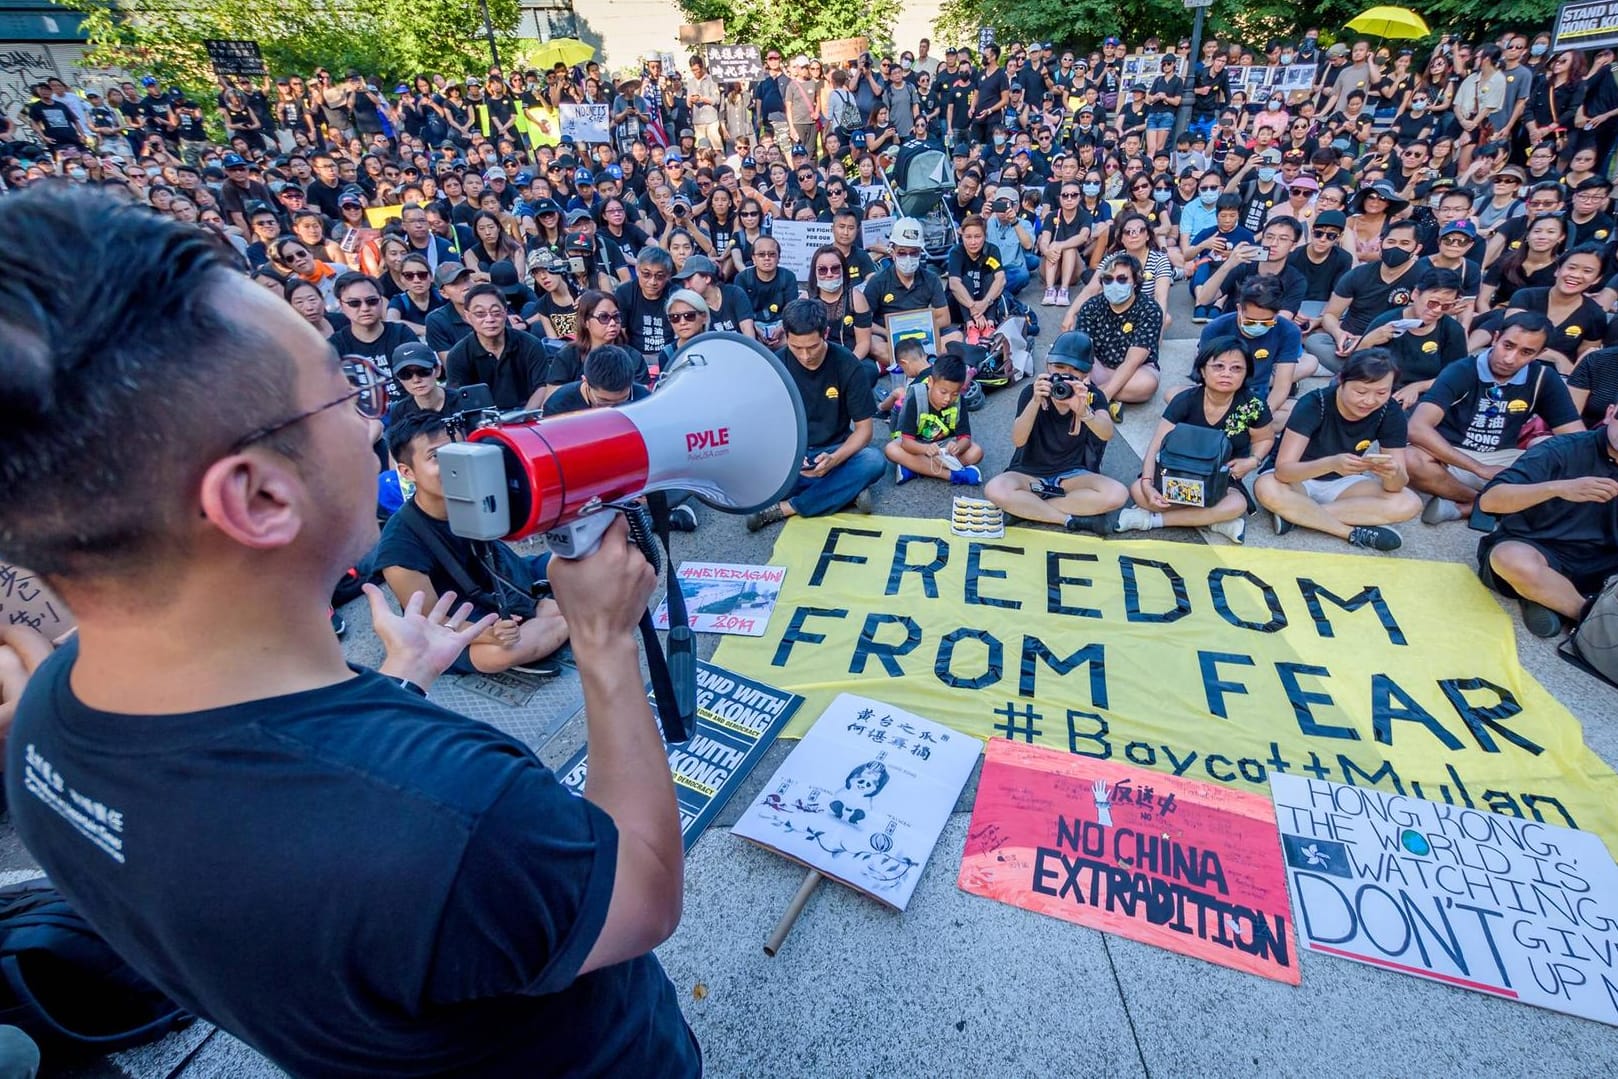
[{"x": 1587, "y": 25}]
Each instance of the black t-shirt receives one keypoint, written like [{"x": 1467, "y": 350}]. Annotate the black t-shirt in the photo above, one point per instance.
[
  {"x": 1320, "y": 277},
  {"x": 990, "y": 87},
  {"x": 57, "y": 121},
  {"x": 976, "y": 274},
  {"x": 1329, "y": 432},
  {"x": 1598, "y": 374},
  {"x": 1508, "y": 284},
  {"x": 512, "y": 377},
  {"x": 1483, "y": 416},
  {"x": 1052, "y": 447},
  {"x": 1172, "y": 85},
  {"x": 768, "y": 298},
  {"x": 1369, "y": 295},
  {"x": 734, "y": 308},
  {"x": 568, "y": 366},
  {"x": 379, "y": 352},
  {"x": 836, "y": 395},
  {"x": 886, "y": 294},
  {"x": 1060, "y": 227},
  {"x": 1294, "y": 286},
  {"x": 644, "y": 320},
  {"x": 564, "y": 320},
  {"x": 1590, "y": 526},
  {"x": 1245, "y": 415},
  {"x": 1587, "y": 323},
  {"x": 215, "y": 851},
  {"x": 445, "y": 328},
  {"x": 570, "y": 398},
  {"x": 1421, "y": 358}
]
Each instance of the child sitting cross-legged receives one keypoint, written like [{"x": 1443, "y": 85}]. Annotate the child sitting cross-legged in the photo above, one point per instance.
[{"x": 933, "y": 436}]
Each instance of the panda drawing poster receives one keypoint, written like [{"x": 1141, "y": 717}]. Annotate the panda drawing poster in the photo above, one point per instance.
[{"x": 864, "y": 796}]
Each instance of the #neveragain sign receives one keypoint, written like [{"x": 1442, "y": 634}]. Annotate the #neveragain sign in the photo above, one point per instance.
[
  {"x": 1171, "y": 862},
  {"x": 1500, "y": 905}
]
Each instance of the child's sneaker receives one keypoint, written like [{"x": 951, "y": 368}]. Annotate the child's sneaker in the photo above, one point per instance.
[
  {"x": 967, "y": 474},
  {"x": 902, "y": 475}
]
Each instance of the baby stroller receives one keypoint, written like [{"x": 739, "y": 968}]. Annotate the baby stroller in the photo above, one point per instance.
[{"x": 922, "y": 178}]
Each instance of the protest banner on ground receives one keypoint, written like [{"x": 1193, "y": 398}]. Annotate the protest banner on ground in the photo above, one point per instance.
[
  {"x": 585, "y": 123},
  {"x": 722, "y": 597},
  {"x": 737, "y": 719},
  {"x": 1190, "y": 867},
  {"x": 26, "y": 601},
  {"x": 1496, "y": 904},
  {"x": 1218, "y": 664},
  {"x": 798, "y": 240},
  {"x": 230, "y": 57},
  {"x": 864, "y": 796},
  {"x": 735, "y": 63},
  {"x": 1588, "y": 25}
]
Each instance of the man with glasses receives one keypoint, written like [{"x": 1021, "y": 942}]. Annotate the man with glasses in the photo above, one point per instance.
[
  {"x": 1544, "y": 200},
  {"x": 769, "y": 288},
  {"x": 367, "y": 334},
  {"x": 235, "y": 463},
  {"x": 642, "y": 303},
  {"x": 1321, "y": 262},
  {"x": 1590, "y": 221},
  {"x": 511, "y": 362}
]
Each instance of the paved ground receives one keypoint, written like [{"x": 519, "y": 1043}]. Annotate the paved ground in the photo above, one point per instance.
[{"x": 962, "y": 986}]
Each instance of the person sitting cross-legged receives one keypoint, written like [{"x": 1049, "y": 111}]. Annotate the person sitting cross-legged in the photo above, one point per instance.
[
  {"x": 1465, "y": 428},
  {"x": 1556, "y": 541},
  {"x": 1060, "y": 433},
  {"x": 1340, "y": 469},
  {"x": 934, "y": 425},
  {"x": 529, "y": 630},
  {"x": 839, "y": 403},
  {"x": 1221, "y": 397}
]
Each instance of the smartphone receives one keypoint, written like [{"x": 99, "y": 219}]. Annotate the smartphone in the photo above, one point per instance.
[{"x": 1378, "y": 458}]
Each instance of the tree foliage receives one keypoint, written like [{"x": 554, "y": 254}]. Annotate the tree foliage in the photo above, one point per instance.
[
  {"x": 387, "y": 39},
  {"x": 796, "y": 26}
]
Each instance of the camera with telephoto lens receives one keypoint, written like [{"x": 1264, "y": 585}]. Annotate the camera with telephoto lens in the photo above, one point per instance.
[{"x": 1062, "y": 387}]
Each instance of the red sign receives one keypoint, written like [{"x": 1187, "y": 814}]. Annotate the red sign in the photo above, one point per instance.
[{"x": 1187, "y": 866}]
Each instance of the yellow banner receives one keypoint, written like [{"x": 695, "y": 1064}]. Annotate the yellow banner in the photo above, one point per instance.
[
  {"x": 544, "y": 125},
  {"x": 1213, "y": 663}
]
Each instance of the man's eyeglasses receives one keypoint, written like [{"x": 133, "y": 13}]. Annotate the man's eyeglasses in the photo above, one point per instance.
[
  {"x": 364, "y": 301},
  {"x": 368, "y": 391}
]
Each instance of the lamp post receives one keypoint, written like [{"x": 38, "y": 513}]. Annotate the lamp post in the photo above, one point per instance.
[
  {"x": 494, "y": 50},
  {"x": 1182, "y": 117}
]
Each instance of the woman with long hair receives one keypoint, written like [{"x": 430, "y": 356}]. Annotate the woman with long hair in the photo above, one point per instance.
[
  {"x": 1554, "y": 104},
  {"x": 307, "y": 300},
  {"x": 555, "y": 311},
  {"x": 1577, "y": 321},
  {"x": 1132, "y": 234},
  {"x": 847, "y": 311},
  {"x": 1533, "y": 265},
  {"x": 418, "y": 300},
  {"x": 614, "y": 220},
  {"x": 491, "y": 243},
  {"x": 598, "y": 321}
]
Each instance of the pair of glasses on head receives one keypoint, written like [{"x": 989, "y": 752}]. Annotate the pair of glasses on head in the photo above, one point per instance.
[{"x": 368, "y": 391}]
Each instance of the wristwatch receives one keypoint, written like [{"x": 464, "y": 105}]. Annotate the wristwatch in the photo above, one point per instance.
[{"x": 407, "y": 684}]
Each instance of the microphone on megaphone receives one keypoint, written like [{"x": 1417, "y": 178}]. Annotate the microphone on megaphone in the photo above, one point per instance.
[{"x": 726, "y": 423}]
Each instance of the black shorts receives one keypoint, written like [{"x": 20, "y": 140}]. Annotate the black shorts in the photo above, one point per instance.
[{"x": 1587, "y": 565}]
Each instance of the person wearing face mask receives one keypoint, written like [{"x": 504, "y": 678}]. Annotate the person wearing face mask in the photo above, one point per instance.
[
  {"x": 906, "y": 285},
  {"x": 1220, "y": 398},
  {"x": 848, "y": 312},
  {"x": 1272, "y": 341},
  {"x": 1422, "y": 336},
  {"x": 1364, "y": 292},
  {"x": 1125, "y": 327},
  {"x": 1415, "y": 122},
  {"x": 1258, "y": 187}
]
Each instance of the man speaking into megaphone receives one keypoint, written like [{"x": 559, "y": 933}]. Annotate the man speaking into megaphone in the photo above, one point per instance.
[{"x": 317, "y": 858}]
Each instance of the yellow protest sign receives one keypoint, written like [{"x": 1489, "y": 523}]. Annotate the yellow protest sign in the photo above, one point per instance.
[
  {"x": 544, "y": 125},
  {"x": 1215, "y": 663},
  {"x": 377, "y": 216}
]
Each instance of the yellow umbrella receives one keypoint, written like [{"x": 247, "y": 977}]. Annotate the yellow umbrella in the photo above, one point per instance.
[
  {"x": 562, "y": 50},
  {"x": 1389, "y": 22}
]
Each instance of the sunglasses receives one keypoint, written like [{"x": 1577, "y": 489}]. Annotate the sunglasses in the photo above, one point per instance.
[
  {"x": 682, "y": 317},
  {"x": 1120, "y": 279},
  {"x": 415, "y": 275},
  {"x": 1070, "y": 194},
  {"x": 369, "y": 301},
  {"x": 1328, "y": 234},
  {"x": 410, "y": 373},
  {"x": 607, "y": 318}
]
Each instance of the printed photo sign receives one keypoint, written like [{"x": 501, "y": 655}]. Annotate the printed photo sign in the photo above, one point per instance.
[{"x": 723, "y": 597}]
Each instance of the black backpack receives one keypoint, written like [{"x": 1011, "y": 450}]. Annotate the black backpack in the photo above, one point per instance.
[
  {"x": 65, "y": 988},
  {"x": 1191, "y": 465}
]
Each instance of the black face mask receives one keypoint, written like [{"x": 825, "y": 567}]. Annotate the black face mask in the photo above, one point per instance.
[{"x": 1395, "y": 256}]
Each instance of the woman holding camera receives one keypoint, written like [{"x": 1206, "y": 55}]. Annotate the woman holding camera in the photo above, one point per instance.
[{"x": 1219, "y": 399}]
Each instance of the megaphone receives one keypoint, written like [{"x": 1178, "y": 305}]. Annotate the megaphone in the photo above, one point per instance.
[{"x": 726, "y": 424}]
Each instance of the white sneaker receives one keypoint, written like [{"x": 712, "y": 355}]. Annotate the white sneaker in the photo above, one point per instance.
[
  {"x": 1133, "y": 519},
  {"x": 1062, "y": 298},
  {"x": 1235, "y": 530},
  {"x": 1050, "y": 298},
  {"x": 1440, "y": 510}
]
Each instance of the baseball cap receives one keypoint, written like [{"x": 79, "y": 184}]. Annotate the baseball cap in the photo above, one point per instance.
[
  {"x": 583, "y": 176},
  {"x": 1462, "y": 226},
  {"x": 799, "y": 151},
  {"x": 448, "y": 273},
  {"x": 147, "y": 80},
  {"x": 697, "y": 264},
  {"x": 1338, "y": 49},
  {"x": 1110, "y": 41},
  {"x": 524, "y": 178},
  {"x": 749, "y": 163},
  {"x": 543, "y": 258},
  {"x": 233, "y": 161},
  {"x": 503, "y": 276},
  {"x": 673, "y": 158},
  {"x": 350, "y": 198},
  {"x": 1270, "y": 156},
  {"x": 1331, "y": 219},
  {"x": 577, "y": 214},
  {"x": 412, "y": 355},
  {"x": 495, "y": 174},
  {"x": 546, "y": 206}
]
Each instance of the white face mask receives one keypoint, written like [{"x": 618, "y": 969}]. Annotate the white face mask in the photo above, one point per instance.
[
  {"x": 907, "y": 264},
  {"x": 77, "y": 174},
  {"x": 829, "y": 284}
]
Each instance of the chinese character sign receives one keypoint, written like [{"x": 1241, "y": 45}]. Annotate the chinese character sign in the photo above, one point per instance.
[
  {"x": 234, "y": 57},
  {"x": 735, "y": 63},
  {"x": 25, "y": 601}
]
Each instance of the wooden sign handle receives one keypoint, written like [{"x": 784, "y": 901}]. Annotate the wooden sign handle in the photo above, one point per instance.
[{"x": 790, "y": 916}]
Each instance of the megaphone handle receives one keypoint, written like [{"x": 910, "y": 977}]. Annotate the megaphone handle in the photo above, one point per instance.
[{"x": 580, "y": 537}]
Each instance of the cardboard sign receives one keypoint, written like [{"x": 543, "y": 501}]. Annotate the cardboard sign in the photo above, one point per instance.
[
  {"x": 26, "y": 601},
  {"x": 841, "y": 50},
  {"x": 864, "y": 797},
  {"x": 235, "y": 57},
  {"x": 798, "y": 240},
  {"x": 1181, "y": 865},
  {"x": 1586, "y": 25},
  {"x": 703, "y": 32},
  {"x": 722, "y": 597},
  {"x": 737, "y": 719},
  {"x": 735, "y": 63},
  {"x": 585, "y": 123},
  {"x": 1500, "y": 905}
]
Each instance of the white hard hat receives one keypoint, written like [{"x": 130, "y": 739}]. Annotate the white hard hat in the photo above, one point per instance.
[{"x": 906, "y": 233}]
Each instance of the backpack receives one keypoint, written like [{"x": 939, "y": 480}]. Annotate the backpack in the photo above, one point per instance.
[
  {"x": 846, "y": 111},
  {"x": 65, "y": 988},
  {"x": 1593, "y": 645},
  {"x": 1191, "y": 465}
]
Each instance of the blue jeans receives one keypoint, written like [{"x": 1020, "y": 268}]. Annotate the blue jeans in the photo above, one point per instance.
[
  {"x": 837, "y": 488},
  {"x": 1016, "y": 277}
]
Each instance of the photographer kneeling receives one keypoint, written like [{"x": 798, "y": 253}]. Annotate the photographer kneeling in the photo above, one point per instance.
[
  {"x": 346, "y": 876},
  {"x": 419, "y": 553}
]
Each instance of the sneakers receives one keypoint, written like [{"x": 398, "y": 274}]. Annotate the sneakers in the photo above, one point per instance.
[
  {"x": 1540, "y": 620},
  {"x": 1375, "y": 538},
  {"x": 1199, "y": 315},
  {"x": 1094, "y": 523},
  {"x": 1115, "y": 409},
  {"x": 1050, "y": 298},
  {"x": 968, "y": 475},
  {"x": 541, "y": 668},
  {"x": 769, "y": 515},
  {"x": 682, "y": 519},
  {"x": 1234, "y": 530},
  {"x": 338, "y": 625},
  {"x": 1133, "y": 519},
  {"x": 902, "y": 475},
  {"x": 1440, "y": 510},
  {"x": 1062, "y": 298},
  {"x": 865, "y": 502},
  {"x": 1281, "y": 525}
]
